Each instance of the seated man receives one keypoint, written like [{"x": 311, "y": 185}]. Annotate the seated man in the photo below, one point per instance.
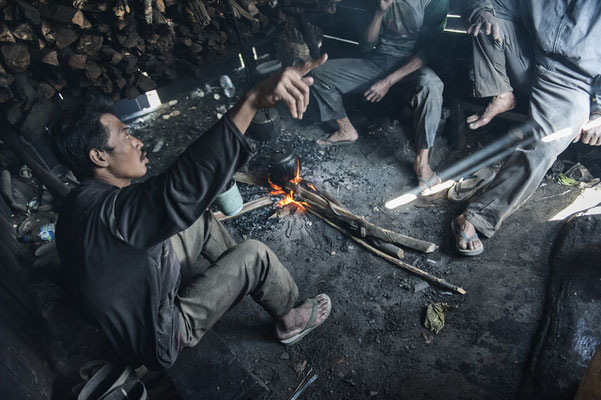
[
  {"x": 129, "y": 249},
  {"x": 501, "y": 62},
  {"x": 567, "y": 60},
  {"x": 406, "y": 35}
]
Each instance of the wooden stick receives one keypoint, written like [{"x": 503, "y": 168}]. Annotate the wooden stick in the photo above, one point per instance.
[
  {"x": 408, "y": 267},
  {"x": 388, "y": 248},
  {"x": 362, "y": 224},
  {"x": 246, "y": 208},
  {"x": 359, "y": 223}
]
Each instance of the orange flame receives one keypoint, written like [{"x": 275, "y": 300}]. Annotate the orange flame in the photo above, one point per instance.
[{"x": 289, "y": 199}]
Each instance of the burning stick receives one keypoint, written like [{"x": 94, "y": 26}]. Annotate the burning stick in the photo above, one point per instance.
[
  {"x": 362, "y": 226},
  {"x": 423, "y": 274}
]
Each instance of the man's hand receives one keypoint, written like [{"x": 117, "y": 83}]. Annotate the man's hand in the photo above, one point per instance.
[
  {"x": 289, "y": 86},
  {"x": 591, "y": 132},
  {"x": 384, "y": 4},
  {"x": 486, "y": 22},
  {"x": 377, "y": 91}
]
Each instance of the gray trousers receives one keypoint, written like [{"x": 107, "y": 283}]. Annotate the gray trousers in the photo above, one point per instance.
[
  {"x": 236, "y": 270},
  {"x": 559, "y": 105},
  {"x": 502, "y": 67},
  {"x": 423, "y": 89}
]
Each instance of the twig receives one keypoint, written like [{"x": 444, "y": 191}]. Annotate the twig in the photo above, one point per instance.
[{"x": 246, "y": 208}]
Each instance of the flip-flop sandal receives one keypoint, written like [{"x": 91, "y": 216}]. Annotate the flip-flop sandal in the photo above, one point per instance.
[
  {"x": 308, "y": 328},
  {"x": 466, "y": 187},
  {"x": 329, "y": 143},
  {"x": 428, "y": 183},
  {"x": 466, "y": 252}
]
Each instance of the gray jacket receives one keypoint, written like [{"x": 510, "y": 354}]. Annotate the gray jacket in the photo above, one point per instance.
[{"x": 567, "y": 31}]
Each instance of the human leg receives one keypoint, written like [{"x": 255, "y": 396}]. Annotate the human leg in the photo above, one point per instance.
[
  {"x": 559, "y": 106},
  {"x": 499, "y": 69},
  {"x": 249, "y": 268},
  {"x": 334, "y": 79},
  {"x": 206, "y": 236},
  {"x": 423, "y": 89}
]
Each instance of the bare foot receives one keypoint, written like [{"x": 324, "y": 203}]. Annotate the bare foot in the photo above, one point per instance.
[
  {"x": 296, "y": 320},
  {"x": 469, "y": 231},
  {"x": 346, "y": 133},
  {"x": 424, "y": 172},
  {"x": 499, "y": 104}
]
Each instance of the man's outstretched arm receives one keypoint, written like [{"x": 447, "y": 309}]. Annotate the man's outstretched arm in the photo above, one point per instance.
[{"x": 146, "y": 213}]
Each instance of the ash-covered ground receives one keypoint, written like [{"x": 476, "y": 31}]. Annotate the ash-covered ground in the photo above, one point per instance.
[{"x": 374, "y": 344}]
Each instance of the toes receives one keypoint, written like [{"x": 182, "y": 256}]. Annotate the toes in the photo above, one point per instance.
[{"x": 472, "y": 118}]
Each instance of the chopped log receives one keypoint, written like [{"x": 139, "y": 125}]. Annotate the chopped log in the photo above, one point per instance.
[
  {"x": 104, "y": 28},
  {"x": 50, "y": 57},
  {"x": 148, "y": 11},
  {"x": 68, "y": 15},
  {"x": 48, "y": 32},
  {"x": 90, "y": 44},
  {"x": 23, "y": 31},
  {"x": 47, "y": 90},
  {"x": 28, "y": 11},
  {"x": 6, "y": 35},
  {"x": 145, "y": 84},
  {"x": 112, "y": 55},
  {"x": 387, "y": 248},
  {"x": 16, "y": 56},
  {"x": 93, "y": 70},
  {"x": 65, "y": 37},
  {"x": 130, "y": 64},
  {"x": 74, "y": 60},
  {"x": 57, "y": 82}
]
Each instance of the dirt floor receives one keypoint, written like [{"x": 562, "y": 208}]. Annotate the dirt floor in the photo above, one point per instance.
[{"x": 374, "y": 345}]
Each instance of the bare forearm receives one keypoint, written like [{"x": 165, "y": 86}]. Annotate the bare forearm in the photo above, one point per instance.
[
  {"x": 409, "y": 67},
  {"x": 373, "y": 29}
]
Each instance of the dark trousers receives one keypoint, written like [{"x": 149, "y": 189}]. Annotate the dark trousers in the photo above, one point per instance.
[
  {"x": 235, "y": 270},
  {"x": 560, "y": 106},
  {"x": 423, "y": 90},
  {"x": 502, "y": 67}
]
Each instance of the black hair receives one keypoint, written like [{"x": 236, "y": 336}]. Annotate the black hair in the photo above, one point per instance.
[{"x": 77, "y": 130}]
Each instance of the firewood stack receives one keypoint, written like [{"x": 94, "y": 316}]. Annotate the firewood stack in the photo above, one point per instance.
[{"x": 120, "y": 47}]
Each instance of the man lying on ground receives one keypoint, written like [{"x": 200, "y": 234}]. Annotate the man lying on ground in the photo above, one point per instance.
[
  {"x": 566, "y": 63},
  {"x": 402, "y": 38},
  {"x": 129, "y": 249}
]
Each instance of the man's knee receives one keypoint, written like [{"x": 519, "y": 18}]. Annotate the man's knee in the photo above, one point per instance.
[{"x": 252, "y": 253}]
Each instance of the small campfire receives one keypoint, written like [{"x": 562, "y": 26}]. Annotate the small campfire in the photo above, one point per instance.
[{"x": 301, "y": 194}]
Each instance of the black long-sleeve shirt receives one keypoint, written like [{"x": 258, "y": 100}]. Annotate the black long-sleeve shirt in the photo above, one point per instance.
[{"x": 115, "y": 249}]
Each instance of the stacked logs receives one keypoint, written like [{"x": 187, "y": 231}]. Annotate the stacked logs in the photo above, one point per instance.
[{"x": 120, "y": 47}]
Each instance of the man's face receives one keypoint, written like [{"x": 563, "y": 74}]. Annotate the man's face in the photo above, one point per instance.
[{"x": 128, "y": 160}]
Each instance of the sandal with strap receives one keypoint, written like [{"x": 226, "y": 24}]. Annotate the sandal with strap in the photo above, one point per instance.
[
  {"x": 308, "y": 328},
  {"x": 466, "y": 252}
]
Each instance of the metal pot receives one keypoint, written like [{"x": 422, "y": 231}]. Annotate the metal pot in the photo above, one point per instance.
[
  {"x": 284, "y": 165},
  {"x": 265, "y": 125}
]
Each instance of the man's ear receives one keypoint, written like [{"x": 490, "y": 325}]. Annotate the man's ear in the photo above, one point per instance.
[{"x": 98, "y": 157}]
